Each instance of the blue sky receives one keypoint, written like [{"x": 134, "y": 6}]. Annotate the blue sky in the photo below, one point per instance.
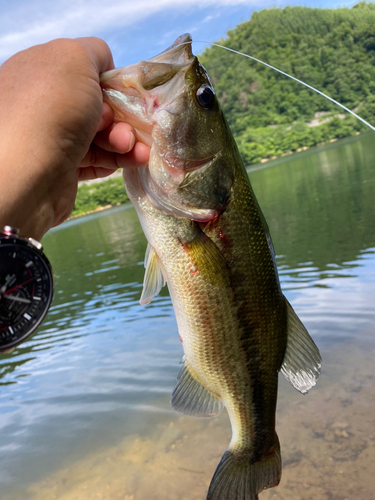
[{"x": 135, "y": 29}]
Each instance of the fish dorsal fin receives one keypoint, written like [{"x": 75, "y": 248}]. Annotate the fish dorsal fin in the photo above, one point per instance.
[
  {"x": 192, "y": 398},
  {"x": 154, "y": 279},
  {"x": 302, "y": 360}
]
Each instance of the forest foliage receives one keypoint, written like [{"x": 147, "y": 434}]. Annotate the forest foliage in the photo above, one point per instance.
[
  {"x": 90, "y": 197},
  {"x": 330, "y": 49}
]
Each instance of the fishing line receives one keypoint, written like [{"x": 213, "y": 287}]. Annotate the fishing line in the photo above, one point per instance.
[{"x": 289, "y": 76}]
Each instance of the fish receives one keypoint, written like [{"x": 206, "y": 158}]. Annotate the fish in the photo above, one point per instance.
[{"x": 209, "y": 241}]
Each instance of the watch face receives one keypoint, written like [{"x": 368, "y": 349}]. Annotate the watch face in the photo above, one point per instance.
[{"x": 26, "y": 290}]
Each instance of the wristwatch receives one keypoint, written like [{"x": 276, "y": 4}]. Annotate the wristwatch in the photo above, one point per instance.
[{"x": 26, "y": 287}]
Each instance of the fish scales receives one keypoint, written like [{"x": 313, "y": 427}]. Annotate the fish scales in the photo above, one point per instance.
[
  {"x": 208, "y": 239},
  {"x": 257, "y": 332}
]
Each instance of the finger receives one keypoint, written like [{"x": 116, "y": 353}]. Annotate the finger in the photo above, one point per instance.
[
  {"x": 99, "y": 52},
  {"x": 137, "y": 157},
  {"x": 107, "y": 117},
  {"x": 90, "y": 173},
  {"x": 98, "y": 157},
  {"x": 119, "y": 138}
]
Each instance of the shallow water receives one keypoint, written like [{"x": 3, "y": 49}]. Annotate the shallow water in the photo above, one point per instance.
[{"x": 84, "y": 404}]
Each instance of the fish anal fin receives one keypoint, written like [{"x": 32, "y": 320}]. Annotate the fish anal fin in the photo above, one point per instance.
[
  {"x": 302, "y": 361},
  {"x": 154, "y": 279},
  {"x": 192, "y": 398},
  {"x": 238, "y": 478}
]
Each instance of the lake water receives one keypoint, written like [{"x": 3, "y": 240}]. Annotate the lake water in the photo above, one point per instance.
[{"x": 84, "y": 404}]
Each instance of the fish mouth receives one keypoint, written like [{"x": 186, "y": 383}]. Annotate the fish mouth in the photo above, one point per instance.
[
  {"x": 158, "y": 69},
  {"x": 138, "y": 91}
]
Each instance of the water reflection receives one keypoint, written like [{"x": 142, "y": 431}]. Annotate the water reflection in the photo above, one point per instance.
[
  {"x": 101, "y": 368},
  {"x": 317, "y": 217}
]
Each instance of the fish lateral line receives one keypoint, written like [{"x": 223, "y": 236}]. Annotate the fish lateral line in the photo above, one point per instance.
[{"x": 287, "y": 75}]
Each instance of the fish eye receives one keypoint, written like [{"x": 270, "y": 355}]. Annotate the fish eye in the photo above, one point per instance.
[{"x": 205, "y": 97}]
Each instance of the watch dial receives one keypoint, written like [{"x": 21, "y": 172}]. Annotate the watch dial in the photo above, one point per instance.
[{"x": 26, "y": 290}]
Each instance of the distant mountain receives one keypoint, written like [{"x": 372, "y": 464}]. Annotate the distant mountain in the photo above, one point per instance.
[{"x": 330, "y": 49}]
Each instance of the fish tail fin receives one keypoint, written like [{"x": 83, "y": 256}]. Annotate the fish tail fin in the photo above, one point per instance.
[{"x": 238, "y": 478}]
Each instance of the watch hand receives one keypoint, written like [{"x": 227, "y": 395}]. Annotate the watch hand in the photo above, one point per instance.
[
  {"x": 17, "y": 299},
  {"x": 7, "y": 280},
  {"x": 16, "y": 286}
]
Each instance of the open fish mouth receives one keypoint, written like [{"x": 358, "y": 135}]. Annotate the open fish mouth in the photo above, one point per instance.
[
  {"x": 140, "y": 91},
  {"x": 160, "y": 68},
  {"x": 153, "y": 72}
]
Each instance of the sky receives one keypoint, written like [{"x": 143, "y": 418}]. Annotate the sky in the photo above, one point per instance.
[{"x": 134, "y": 29}]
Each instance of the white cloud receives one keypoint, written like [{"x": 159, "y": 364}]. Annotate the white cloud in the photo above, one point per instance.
[
  {"x": 26, "y": 24},
  {"x": 127, "y": 24}
]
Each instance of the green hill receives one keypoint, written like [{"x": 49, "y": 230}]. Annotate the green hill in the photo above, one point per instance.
[
  {"x": 330, "y": 49},
  {"x": 270, "y": 115}
]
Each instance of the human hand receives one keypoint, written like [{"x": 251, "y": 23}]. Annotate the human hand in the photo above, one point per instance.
[{"x": 56, "y": 130}]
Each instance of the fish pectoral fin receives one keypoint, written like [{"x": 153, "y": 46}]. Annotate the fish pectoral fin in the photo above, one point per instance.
[
  {"x": 207, "y": 260},
  {"x": 302, "y": 360},
  {"x": 192, "y": 398},
  {"x": 154, "y": 279}
]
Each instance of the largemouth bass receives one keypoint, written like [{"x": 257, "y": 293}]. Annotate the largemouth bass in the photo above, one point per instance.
[{"x": 209, "y": 241}]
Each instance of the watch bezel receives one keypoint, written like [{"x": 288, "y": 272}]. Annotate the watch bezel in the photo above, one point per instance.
[{"x": 15, "y": 240}]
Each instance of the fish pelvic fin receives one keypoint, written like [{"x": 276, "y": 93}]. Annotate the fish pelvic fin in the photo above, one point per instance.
[
  {"x": 237, "y": 477},
  {"x": 302, "y": 360},
  {"x": 154, "y": 279},
  {"x": 192, "y": 398}
]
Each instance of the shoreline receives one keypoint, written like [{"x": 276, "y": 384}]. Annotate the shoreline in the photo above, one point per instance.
[
  {"x": 98, "y": 209},
  {"x": 304, "y": 148},
  {"x": 251, "y": 166}
]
